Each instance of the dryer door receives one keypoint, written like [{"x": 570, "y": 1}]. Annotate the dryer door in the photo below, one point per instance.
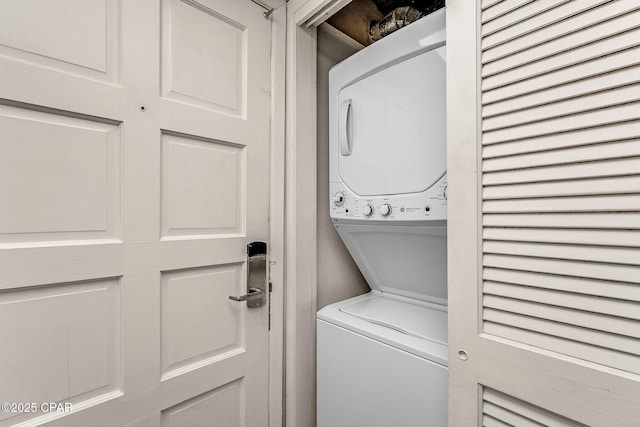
[{"x": 391, "y": 128}]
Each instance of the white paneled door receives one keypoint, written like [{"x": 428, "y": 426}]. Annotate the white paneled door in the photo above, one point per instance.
[{"x": 134, "y": 170}]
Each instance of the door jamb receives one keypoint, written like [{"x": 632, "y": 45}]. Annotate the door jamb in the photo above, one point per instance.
[
  {"x": 303, "y": 16},
  {"x": 277, "y": 217}
]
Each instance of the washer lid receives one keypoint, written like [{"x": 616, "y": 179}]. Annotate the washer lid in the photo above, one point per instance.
[
  {"x": 391, "y": 127},
  {"x": 409, "y": 318},
  {"x": 418, "y": 328},
  {"x": 407, "y": 260}
]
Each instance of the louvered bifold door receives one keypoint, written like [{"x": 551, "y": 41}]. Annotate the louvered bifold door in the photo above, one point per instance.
[{"x": 557, "y": 131}]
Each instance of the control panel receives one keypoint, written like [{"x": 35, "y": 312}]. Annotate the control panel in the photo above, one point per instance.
[{"x": 429, "y": 204}]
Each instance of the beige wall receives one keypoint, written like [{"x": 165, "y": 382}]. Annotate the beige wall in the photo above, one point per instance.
[{"x": 338, "y": 276}]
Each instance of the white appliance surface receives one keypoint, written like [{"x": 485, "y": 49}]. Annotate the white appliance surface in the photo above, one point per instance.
[
  {"x": 407, "y": 260},
  {"x": 387, "y": 127},
  {"x": 382, "y": 357},
  {"x": 372, "y": 377},
  {"x": 396, "y": 120},
  {"x": 388, "y": 182},
  {"x": 413, "y": 326}
]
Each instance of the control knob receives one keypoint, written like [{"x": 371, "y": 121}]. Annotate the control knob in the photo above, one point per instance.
[
  {"x": 385, "y": 209},
  {"x": 368, "y": 210},
  {"x": 338, "y": 198}
]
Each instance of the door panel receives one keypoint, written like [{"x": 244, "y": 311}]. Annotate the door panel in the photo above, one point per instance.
[
  {"x": 198, "y": 323},
  {"x": 73, "y": 36},
  {"x": 65, "y": 341},
  {"x": 546, "y": 111},
  {"x": 210, "y": 72},
  {"x": 223, "y": 404},
  {"x": 189, "y": 209},
  {"x": 58, "y": 157},
  {"x": 134, "y": 174}
]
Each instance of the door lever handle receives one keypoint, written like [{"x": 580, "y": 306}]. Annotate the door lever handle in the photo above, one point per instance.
[
  {"x": 256, "y": 284},
  {"x": 254, "y": 293}
]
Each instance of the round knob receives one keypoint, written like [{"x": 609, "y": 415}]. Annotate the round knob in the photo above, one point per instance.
[
  {"x": 385, "y": 209},
  {"x": 444, "y": 193},
  {"x": 338, "y": 198},
  {"x": 368, "y": 210}
]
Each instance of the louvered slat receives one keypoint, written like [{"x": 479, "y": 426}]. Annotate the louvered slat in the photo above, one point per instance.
[
  {"x": 626, "y": 312},
  {"x": 605, "y": 168},
  {"x": 592, "y": 337},
  {"x": 561, "y": 82},
  {"x": 562, "y": 31},
  {"x": 579, "y": 285},
  {"x": 568, "y": 107},
  {"x": 493, "y": 399},
  {"x": 606, "y": 203},
  {"x": 556, "y": 22},
  {"x": 500, "y": 21},
  {"x": 595, "y": 186},
  {"x": 612, "y": 272},
  {"x": 488, "y": 3},
  {"x": 489, "y": 421},
  {"x": 502, "y": 8},
  {"x": 613, "y": 255},
  {"x": 605, "y": 323},
  {"x": 589, "y": 119},
  {"x": 611, "y": 150},
  {"x": 582, "y": 137},
  {"x": 510, "y": 418},
  {"x": 568, "y": 220},
  {"x": 625, "y": 238},
  {"x": 500, "y": 73},
  {"x": 556, "y": 44},
  {"x": 566, "y": 343}
]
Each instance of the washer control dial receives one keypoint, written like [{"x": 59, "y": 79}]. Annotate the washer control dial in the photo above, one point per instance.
[
  {"x": 444, "y": 193},
  {"x": 338, "y": 198},
  {"x": 367, "y": 210},
  {"x": 385, "y": 209}
]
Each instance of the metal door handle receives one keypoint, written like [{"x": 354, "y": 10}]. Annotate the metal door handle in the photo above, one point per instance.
[
  {"x": 254, "y": 293},
  {"x": 256, "y": 276}
]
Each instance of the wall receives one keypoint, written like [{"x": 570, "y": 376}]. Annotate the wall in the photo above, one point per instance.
[{"x": 338, "y": 276}]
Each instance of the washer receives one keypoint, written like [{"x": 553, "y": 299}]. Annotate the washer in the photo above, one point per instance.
[
  {"x": 382, "y": 357},
  {"x": 382, "y": 361}
]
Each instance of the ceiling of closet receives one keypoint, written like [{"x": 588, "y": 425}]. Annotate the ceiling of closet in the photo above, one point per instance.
[{"x": 356, "y": 18}]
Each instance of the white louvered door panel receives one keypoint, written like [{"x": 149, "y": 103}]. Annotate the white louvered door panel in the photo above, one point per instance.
[{"x": 549, "y": 90}]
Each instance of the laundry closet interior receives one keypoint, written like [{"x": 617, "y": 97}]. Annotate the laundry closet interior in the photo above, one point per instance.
[
  {"x": 249, "y": 213},
  {"x": 382, "y": 356}
]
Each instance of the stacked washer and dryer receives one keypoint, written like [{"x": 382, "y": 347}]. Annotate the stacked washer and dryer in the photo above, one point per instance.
[{"x": 382, "y": 356}]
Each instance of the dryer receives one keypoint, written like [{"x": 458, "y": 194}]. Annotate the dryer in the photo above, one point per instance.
[{"x": 382, "y": 357}]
